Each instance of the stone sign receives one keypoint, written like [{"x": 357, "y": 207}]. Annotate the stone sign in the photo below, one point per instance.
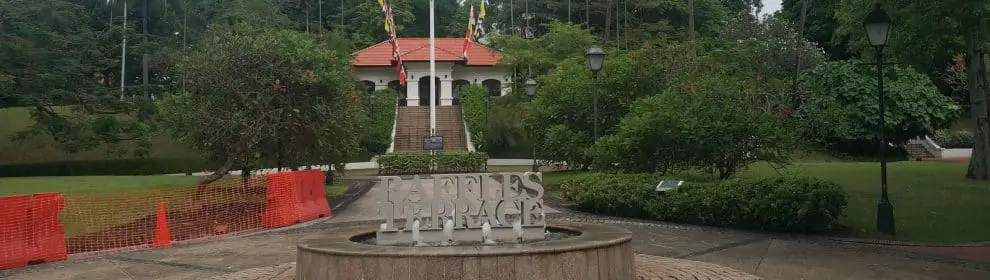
[{"x": 469, "y": 200}]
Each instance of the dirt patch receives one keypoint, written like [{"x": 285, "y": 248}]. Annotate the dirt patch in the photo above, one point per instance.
[{"x": 199, "y": 222}]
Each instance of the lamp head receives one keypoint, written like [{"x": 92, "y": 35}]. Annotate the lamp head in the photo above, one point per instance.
[
  {"x": 877, "y": 25},
  {"x": 596, "y": 57}
]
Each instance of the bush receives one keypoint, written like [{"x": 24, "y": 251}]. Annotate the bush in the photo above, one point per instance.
[
  {"x": 422, "y": 163},
  {"x": 780, "y": 204},
  {"x": 717, "y": 126},
  {"x": 132, "y": 166},
  {"x": 627, "y": 195},
  {"x": 473, "y": 99},
  {"x": 954, "y": 139},
  {"x": 381, "y": 116}
]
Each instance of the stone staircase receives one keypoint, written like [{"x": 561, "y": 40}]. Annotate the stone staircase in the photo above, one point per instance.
[
  {"x": 918, "y": 152},
  {"x": 413, "y": 126}
]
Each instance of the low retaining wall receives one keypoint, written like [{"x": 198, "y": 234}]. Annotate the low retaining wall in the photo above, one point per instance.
[{"x": 939, "y": 152}]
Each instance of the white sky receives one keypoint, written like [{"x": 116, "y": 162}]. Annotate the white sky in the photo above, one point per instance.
[{"x": 770, "y": 7}]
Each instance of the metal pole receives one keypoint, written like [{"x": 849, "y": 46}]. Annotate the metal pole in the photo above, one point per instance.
[
  {"x": 594, "y": 77},
  {"x": 885, "y": 210},
  {"x": 123, "y": 52},
  {"x": 144, "y": 57},
  {"x": 433, "y": 71}
]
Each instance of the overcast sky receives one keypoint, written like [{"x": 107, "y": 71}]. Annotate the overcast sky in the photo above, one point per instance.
[{"x": 770, "y": 6}]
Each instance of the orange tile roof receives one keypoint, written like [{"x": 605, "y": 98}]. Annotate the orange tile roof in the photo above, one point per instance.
[{"x": 418, "y": 49}]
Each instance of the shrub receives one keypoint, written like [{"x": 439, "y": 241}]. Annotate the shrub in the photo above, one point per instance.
[
  {"x": 717, "y": 126},
  {"x": 423, "y": 163},
  {"x": 381, "y": 117},
  {"x": 132, "y": 166},
  {"x": 460, "y": 162},
  {"x": 781, "y": 204},
  {"x": 954, "y": 139},
  {"x": 627, "y": 195},
  {"x": 474, "y": 102}
]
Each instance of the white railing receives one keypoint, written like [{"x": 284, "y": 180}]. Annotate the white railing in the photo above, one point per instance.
[
  {"x": 395, "y": 122},
  {"x": 467, "y": 132},
  {"x": 940, "y": 152}
]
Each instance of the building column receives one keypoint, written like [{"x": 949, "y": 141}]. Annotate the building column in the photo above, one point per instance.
[
  {"x": 506, "y": 87},
  {"x": 412, "y": 93},
  {"x": 446, "y": 92}
]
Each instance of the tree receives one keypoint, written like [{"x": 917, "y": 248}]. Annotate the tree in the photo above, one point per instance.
[
  {"x": 711, "y": 126},
  {"x": 820, "y": 24},
  {"x": 52, "y": 61},
  {"x": 842, "y": 100},
  {"x": 262, "y": 97},
  {"x": 928, "y": 35}
]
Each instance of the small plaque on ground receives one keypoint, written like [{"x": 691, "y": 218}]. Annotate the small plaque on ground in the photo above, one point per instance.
[
  {"x": 433, "y": 143},
  {"x": 669, "y": 185}
]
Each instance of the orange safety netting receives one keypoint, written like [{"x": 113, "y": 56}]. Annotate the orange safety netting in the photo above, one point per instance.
[{"x": 46, "y": 227}]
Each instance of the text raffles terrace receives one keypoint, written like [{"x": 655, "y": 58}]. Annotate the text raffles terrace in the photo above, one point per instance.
[{"x": 469, "y": 199}]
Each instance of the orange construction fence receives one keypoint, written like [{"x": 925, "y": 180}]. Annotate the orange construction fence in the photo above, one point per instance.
[
  {"x": 30, "y": 230},
  {"x": 295, "y": 197},
  {"x": 47, "y": 227}
]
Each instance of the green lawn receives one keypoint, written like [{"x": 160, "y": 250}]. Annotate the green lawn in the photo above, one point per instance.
[
  {"x": 333, "y": 191},
  {"x": 933, "y": 202}
]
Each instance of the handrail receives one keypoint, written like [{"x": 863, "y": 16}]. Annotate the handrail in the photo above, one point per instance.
[
  {"x": 395, "y": 122},
  {"x": 467, "y": 132}
]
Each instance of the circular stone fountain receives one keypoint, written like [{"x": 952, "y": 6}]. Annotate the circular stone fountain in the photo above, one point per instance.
[
  {"x": 586, "y": 251},
  {"x": 466, "y": 226}
]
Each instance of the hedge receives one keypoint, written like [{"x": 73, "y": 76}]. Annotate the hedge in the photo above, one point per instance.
[
  {"x": 425, "y": 163},
  {"x": 954, "y": 139},
  {"x": 130, "y": 166},
  {"x": 779, "y": 204}
]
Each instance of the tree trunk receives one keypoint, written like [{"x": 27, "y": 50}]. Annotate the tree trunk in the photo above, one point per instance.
[
  {"x": 219, "y": 173},
  {"x": 691, "y": 20},
  {"x": 979, "y": 167},
  {"x": 608, "y": 21}
]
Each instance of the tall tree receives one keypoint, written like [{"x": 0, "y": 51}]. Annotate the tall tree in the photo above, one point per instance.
[{"x": 927, "y": 35}]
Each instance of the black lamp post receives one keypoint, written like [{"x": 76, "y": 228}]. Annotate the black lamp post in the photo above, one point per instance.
[
  {"x": 531, "y": 91},
  {"x": 596, "y": 57},
  {"x": 877, "y": 25}
]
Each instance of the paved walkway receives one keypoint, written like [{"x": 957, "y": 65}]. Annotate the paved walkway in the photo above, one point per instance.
[{"x": 669, "y": 249}]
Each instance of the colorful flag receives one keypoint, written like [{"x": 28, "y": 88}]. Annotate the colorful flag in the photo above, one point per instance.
[
  {"x": 467, "y": 38},
  {"x": 394, "y": 40},
  {"x": 479, "y": 31}
]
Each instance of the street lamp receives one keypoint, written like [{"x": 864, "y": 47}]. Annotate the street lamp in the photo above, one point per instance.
[
  {"x": 877, "y": 25},
  {"x": 596, "y": 57},
  {"x": 531, "y": 91}
]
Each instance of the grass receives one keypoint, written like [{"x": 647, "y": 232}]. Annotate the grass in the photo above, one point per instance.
[
  {"x": 933, "y": 202},
  {"x": 333, "y": 191}
]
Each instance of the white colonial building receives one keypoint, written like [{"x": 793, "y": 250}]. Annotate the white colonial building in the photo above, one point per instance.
[{"x": 375, "y": 67}]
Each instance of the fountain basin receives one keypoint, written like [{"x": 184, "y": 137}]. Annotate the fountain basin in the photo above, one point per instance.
[{"x": 597, "y": 252}]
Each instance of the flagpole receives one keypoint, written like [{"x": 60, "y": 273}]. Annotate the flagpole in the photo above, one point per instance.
[{"x": 433, "y": 73}]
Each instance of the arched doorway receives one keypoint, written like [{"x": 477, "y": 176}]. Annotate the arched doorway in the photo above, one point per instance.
[
  {"x": 494, "y": 87},
  {"x": 458, "y": 86},
  {"x": 400, "y": 91},
  {"x": 424, "y": 91},
  {"x": 369, "y": 86}
]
